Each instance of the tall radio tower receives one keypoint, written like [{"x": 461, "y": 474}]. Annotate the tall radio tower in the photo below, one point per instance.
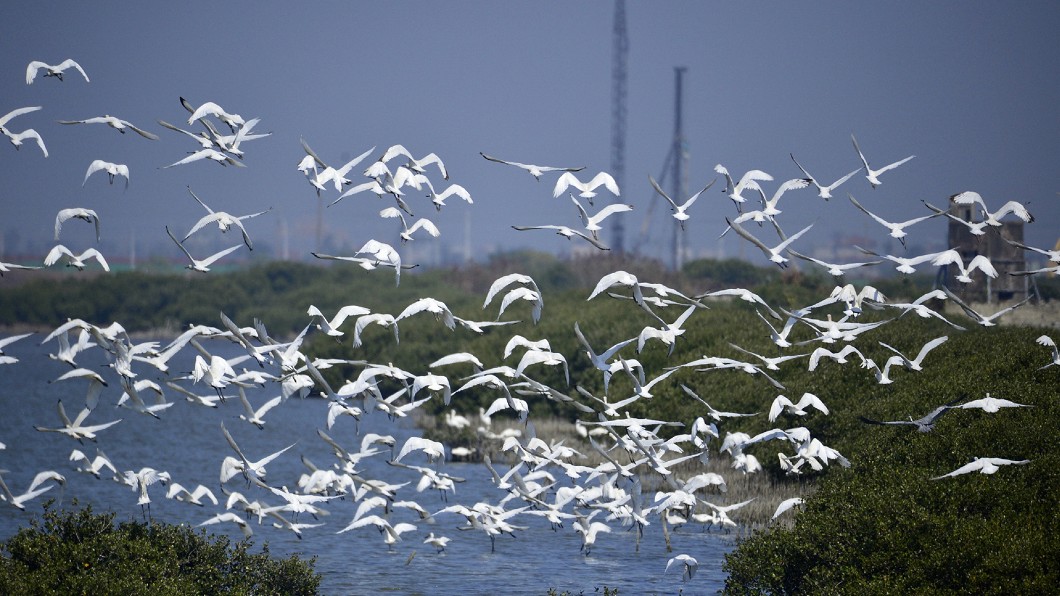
[
  {"x": 679, "y": 180},
  {"x": 619, "y": 53}
]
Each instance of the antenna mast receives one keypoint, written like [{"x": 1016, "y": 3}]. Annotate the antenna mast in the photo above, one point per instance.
[
  {"x": 619, "y": 53},
  {"x": 679, "y": 151}
]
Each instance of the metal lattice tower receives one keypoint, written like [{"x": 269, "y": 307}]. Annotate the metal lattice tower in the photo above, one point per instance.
[
  {"x": 679, "y": 180},
  {"x": 619, "y": 54}
]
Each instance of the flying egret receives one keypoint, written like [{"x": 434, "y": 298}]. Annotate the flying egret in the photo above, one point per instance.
[
  {"x": 224, "y": 221},
  {"x": 52, "y": 71},
  {"x": 112, "y": 170},
  {"x": 680, "y": 211},
  {"x": 688, "y": 564},
  {"x": 993, "y": 218},
  {"x": 990, "y": 404},
  {"x": 587, "y": 189},
  {"x": 825, "y": 192},
  {"x": 984, "y": 465},
  {"x": 773, "y": 253},
  {"x": 592, "y": 223},
  {"x": 202, "y": 265},
  {"x": 873, "y": 175},
  {"x": 897, "y": 229},
  {"x": 17, "y": 138},
  {"x": 747, "y": 181},
  {"x": 535, "y": 171},
  {"x": 116, "y": 123},
  {"x": 61, "y": 253}
]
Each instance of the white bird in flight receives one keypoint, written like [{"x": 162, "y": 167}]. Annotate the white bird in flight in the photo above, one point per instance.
[
  {"x": 112, "y": 170},
  {"x": 535, "y": 171},
  {"x": 224, "y": 221},
  {"x": 587, "y": 189},
  {"x": 897, "y": 228},
  {"x": 61, "y": 253},
  {"x": 774, "y": 253},
  {"x": 234, "y": 121},
  {"x": 116, "y": 123},
  {"x": 592, "y": 224},
  {"x": 873, "y": 175},
  {"x": 825, "y": 192},
  {"x": 17, "y": 138},
  {"x": 86, "y": 215},
  {"x": 202, "y": 265},
  {"x": 680, "y": 211},
  {"x": 567, "y": 233},
  {"x": 984, "y": 465},
  {"x": 747, "y": 181},
  {"x": 52, "y": 71},
  {"x": 990, "y": 404},
  {"x": 211, "y": 154},
  {"x": 784, "y": 405},
  {"x": 688, "y": 564},
  {"x": 993, "y": 218}
]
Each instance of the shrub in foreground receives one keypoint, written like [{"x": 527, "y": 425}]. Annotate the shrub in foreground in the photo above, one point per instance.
[{"x": 80, "y": 552}]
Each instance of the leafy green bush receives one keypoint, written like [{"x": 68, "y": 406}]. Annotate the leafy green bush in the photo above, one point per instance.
[
  {"x": 885, "y": 526},
  {"x": 80, "y": 552}
]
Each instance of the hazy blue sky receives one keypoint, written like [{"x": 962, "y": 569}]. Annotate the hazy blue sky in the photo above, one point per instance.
[{"x": 970, "y": 88}]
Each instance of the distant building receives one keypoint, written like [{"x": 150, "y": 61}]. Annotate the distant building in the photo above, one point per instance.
[{"x": 1004, "y": 257}]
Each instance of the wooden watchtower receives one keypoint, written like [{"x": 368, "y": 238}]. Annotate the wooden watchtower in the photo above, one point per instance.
[{"x": 1004, "y": 256}]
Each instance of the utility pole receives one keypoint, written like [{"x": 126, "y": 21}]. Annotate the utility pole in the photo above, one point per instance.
[
  {"x": 619, "y": 54},
  {"x": 679, "y": 180}
]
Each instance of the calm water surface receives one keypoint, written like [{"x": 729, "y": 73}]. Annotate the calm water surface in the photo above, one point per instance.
[{"x": 188, "y": 443}]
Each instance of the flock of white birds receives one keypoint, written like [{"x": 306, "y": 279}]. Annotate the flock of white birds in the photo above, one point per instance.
[{"x": 546, "y": 483}]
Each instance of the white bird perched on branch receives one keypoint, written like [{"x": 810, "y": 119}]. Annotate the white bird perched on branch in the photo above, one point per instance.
[
  {"x": 52, "y": 71},
  {"x": 535, "y": 171},
  {"x": 116, "y": 123},
  {"x": 873, "y": 175},
  {"x": 112, "y": 170}
]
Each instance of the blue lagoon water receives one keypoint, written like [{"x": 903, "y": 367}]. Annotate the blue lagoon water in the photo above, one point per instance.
[{"x": 188, "y": 443}]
